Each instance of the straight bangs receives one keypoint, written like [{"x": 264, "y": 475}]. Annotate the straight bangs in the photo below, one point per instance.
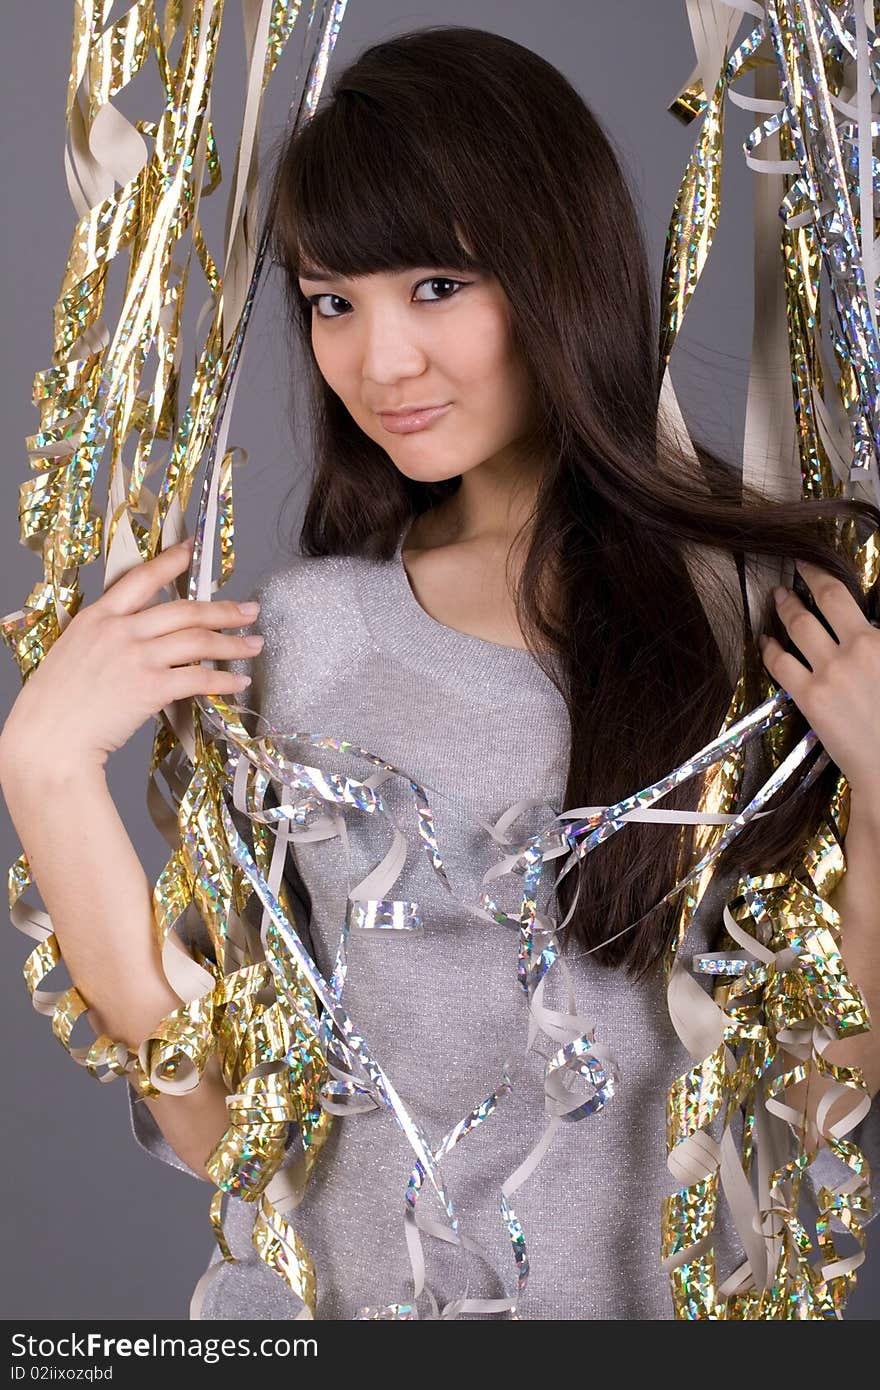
[{"x": 353, "y": 197}]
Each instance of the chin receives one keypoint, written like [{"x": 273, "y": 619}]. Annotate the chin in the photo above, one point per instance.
[
  {"x": 425, "y": 470},
  {"x": 425, "y": 475}
]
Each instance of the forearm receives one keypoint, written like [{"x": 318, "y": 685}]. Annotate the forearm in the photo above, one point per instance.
[
  {"x": 857, "y": 901},
  {"x": 99, "y": 898},
  {"x": 95, "y": 891}
]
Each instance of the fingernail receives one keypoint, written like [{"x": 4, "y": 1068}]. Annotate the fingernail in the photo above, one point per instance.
[
  {"x": 762, "y": 641},
  {"x": 254, "y": 641},
  {"x": 250, "y": 610},
  {"x": 780, "y": 593}
]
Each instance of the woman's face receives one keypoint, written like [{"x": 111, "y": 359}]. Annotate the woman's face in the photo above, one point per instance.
[{"x": 432, "y": 336}]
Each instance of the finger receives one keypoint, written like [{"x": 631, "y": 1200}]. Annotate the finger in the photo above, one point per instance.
[
  {"x": 200, "y": 644},
  {"x": 183, "y": 613},
  {"x": 142, "y": 583},
  {"x": 834, "y": 599},
  {"x": 186, "y": 681},
  {"x": 789, "y": 674},
  {"x": 809, "y": 636}
]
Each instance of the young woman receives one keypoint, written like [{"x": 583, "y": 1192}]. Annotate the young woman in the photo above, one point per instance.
[{"x": 507, "y": 588}]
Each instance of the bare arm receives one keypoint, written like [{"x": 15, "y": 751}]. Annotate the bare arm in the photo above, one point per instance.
[
  {"x": 857, "y": 899},
  {"x": 118, "y": 662},
  {"x": 100, "y": 901}
]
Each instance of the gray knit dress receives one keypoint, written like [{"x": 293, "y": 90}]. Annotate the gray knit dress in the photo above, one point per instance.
[{"x": 350, "y": 652}]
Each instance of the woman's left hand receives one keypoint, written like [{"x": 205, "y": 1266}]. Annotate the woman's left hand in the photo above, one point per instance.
[{"x": 840, "y": 696}]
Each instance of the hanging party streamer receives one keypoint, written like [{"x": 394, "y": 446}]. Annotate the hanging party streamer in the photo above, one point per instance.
[
  {"x": 290, "y": 1054},
  {"x": 782, "y": 994}
]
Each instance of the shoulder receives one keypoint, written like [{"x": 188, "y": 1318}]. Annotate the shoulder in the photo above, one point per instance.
[
  {"x": 309, "y": 592},
  {"x": 311, "y": 620},
  {"x": 322, "y": 578}
]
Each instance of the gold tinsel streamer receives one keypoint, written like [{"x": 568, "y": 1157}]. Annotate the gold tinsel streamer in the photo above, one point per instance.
[
  {"x": 92, "y": 398},
  {"x": 794, "y": 988}
]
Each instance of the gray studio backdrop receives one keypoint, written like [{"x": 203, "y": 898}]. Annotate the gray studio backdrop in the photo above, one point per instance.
[{"x": 96, "y": 1228}]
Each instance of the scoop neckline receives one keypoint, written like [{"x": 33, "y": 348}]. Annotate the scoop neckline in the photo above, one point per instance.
[
  {"x": 485, "y": 641},
  {"x": 400, "y": 625}
]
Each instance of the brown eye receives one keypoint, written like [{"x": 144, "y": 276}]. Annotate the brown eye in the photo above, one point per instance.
[
  {"x": 314, "y": 300},
  {"x": 443, "y": 280}
]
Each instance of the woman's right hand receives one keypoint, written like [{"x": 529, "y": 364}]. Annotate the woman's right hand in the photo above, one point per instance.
[{"x": 120, "y": 660}]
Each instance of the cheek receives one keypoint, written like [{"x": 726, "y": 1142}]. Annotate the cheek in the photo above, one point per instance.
[
  {"x": 480, "y": 351},
  {"x": 493, "y": 376},
  {"x": 332, "y": 362},
  {"x": 322, "y": 358}
]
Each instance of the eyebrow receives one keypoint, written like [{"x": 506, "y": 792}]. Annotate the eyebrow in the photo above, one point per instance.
[{"x": 309, "y": 274}]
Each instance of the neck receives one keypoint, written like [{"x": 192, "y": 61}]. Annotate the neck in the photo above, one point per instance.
[{"x": 492, "y": 504}]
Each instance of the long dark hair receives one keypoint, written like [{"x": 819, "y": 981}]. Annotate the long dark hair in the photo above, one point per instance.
[{"x": 450, "y": 132}]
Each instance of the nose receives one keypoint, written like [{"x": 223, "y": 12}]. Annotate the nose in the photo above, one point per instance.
[{"x": 389, "y": 349}]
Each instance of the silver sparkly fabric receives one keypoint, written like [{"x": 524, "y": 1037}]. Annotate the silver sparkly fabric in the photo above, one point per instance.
[{"x": 350, "y": 652}]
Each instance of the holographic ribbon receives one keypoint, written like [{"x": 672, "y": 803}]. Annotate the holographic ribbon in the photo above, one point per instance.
[
  {"x": 782, "y": 992},
  {"x": 256, "y": 996},
  {"x": 137, "y": 187},
  {"x": 306, "y": 790}
]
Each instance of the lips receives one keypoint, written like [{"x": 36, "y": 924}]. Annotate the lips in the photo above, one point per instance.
[{"x": 413, "y": 420}]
